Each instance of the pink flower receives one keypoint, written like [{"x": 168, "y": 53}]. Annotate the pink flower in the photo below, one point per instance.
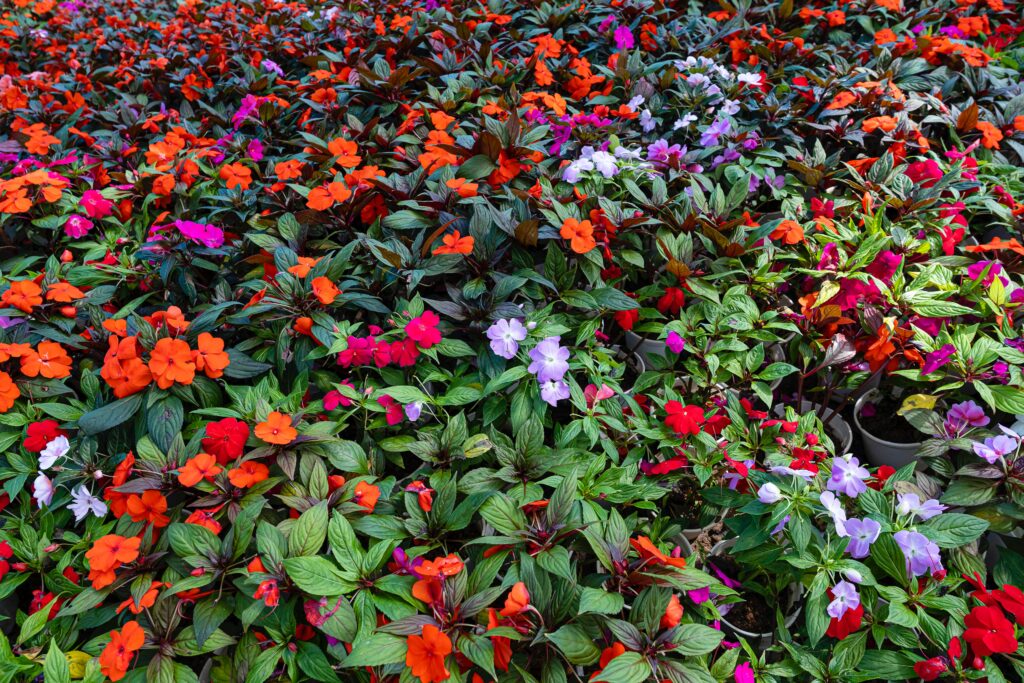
[
  {"x": 423, "y": 330},
  {"x": 95, "y": 205},
  {"x": 394, "y": 412},
  {"x": 593, "y": 394},
  {"x": 744, "y": 673},
  {"x": 675, "y": 342},
  {"x": 77, "y": 226}
]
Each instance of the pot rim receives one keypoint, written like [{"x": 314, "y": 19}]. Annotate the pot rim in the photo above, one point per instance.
[{"x": 865, "y": 433}]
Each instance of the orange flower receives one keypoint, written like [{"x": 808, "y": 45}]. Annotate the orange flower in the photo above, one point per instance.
[
  {"x": 366, "y": 495},
  {"x": 63, "y": 292},
  {"x": 990, "y": 134},
  {"x": 107, "y": 554},
  {"x": 277, "y": 429},
  {"x": 886, "y": 124},
  {"x": 788, "y": 231},
  {"x": 236, "y": 175},
  {"x": 202, "y": 466},
  {"x": 118, "y": 327},
  {"x": 465, "y": 188},
  {"x": 650, "y": 553},
  {"x": 147, "y": 600},
  {"x": 440, "y": 120},
  {"x": 248, "y": 474},
  {"x": 286, "y": 170},
  {"x": 580, "y": 235},
  {"x": 302, "y": 268},
  {"x": 455, "y": 243},
  {"x": 173, "y": 319},
  {"x": 324, "y": 197},
  {"x": 170, "y": 361},
  {"x": 117, "y": 656},
  {"x": 23, "y": 295},
  {"x": 123, "y": 368},
  {"x": 210, "y": 358},
  {"x": 517, "y": 601},
  {"x": 345, "y": 151},
  {"x": 50, "y": 360},
  {"x": 325, "y": 290},
  {"x": 149, "y": 507},
  {"x": 426, "y": 655},
  {"x": 40, "y": 140},
  {"x": 9, "y": 392}
]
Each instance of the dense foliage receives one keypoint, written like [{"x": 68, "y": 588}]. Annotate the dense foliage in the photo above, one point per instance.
[{"x": 420, "y": 341}]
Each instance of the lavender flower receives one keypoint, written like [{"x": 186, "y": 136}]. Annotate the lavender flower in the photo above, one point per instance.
[
  {"x": 42, "y": 490},
  {"x": 910, "y": 504},
  {"x": 922, "y": 556},
  {"x": 769, "y": 493},
  {"x": 83, "y": 502},
  {"x": 605, "y": 164},
  {"x": 554, "y": 391},
  {"x": 505, "y": 336},
  {"x": 550, "y": 360},
  {"x": 844, "y": 598},
  {"x": 995, "y": 447},
  {"x": 54, "y": 451},
  {"x": 835, "y": 511},
  {"x": 848, "y": 476},
  {"x": 863, "y": 532},
  {"x": 413, "y": 410},
  {"x": 717, "y": 129}
]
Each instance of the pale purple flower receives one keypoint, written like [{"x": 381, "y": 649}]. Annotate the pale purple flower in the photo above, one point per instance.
[
  {"x": 550, "y": 360},
  {"x": 413, "y": 410},
  {"x": 271, "y": 66},
  {"x": 995, "y": 447},
  {"x": 922, "y": 556},
  {"x": 77, "y": 226},
  {"x": 660, "y": 153},
  {"x": 605, "y": 164},
  {"x": 862, "y": 532},
  {"x": 966, "y": 414},
  {"x": 554, "y": 391},
  {"x": 749, "y": 79},
  {"x": 910, "y": 504},
  {"x": 769, "y": 493},
  {"x": 675, "y": 342},
  {"x": 835, "y": 511},
  {"x": 624, "y": 38},
  {"x": 684, "y": 121},
  {"x": 848, "y": 476},
  {"x": 83, "y": 502},
  {"x": 42, "y": 490},
  {"x": 717, "y": 129},
  {"x": 647, "y": 123},
  {"x": 936, "y": 359},
  {"x": 844, "y": 598},
  {"x": 54, "y": 451},
  {"x": 505, "y": 336},
  {"x": 786, "y": 470}
]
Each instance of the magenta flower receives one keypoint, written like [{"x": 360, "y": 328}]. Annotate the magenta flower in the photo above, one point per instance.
[
  {"x": 95, "y": 204},
  {"x": 209, "y": 236},
  {"x": 965, "y": 414},
  {"x": 675, "y": 342},
  {"x": 77, "y": 226},
  {"x": 744, "y": 673},
  {"x": 624, "y": 38},
  {"x": 936, "y": 359}
]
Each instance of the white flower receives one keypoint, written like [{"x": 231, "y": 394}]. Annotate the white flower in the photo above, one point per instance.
[
  {"x": 685, "y": 121},
  {"x": 42, "y": 490},
  {"x": 749, "y": 79},
  {"x": 769, "y": 493},
  {"x": 605, "y": 164},
  {"x": 84, "y": 503},
  {"x": 54, "y": 451}
]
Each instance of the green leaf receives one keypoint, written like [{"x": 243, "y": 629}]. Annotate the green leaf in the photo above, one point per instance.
[
  {"x": 696, "y": 639},
  {"x": 110, "y": 415},
  {"x": 952, "y": 530},
  {"x": 33, "y": 624},
  {"x": 317, "y": 576},
  {"x": 264, "y": 666},
  {"x": 600, "y": 601},
  {"x": 186, "y": 644},
  {"x": 163, "y": 421},
  {"x": 575, "y": 644},
  {"x": 242, "y": 366},
  {"x": 376, "y": 650},
  {"x": 55, "y": 668},
  {"x": 309, "y": 531},
  {"x": 629, "y": 667}
]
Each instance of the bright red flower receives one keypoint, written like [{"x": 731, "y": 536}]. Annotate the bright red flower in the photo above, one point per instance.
[
  {"x": 989, "y": 632},
  {"x": 423, "y": 329},
  {"x": 683, "y": 419},
  {"x": 226, "y": 439}
]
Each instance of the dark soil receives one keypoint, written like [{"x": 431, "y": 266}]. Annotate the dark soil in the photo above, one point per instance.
[
  {"x": 684, "y": 503},
  {"x": 754, "y": 614},
  {"x": 887, "y": 425}
]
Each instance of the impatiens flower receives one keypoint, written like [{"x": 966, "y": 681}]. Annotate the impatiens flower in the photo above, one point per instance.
[
  {"x": 966, "y": 414},
  {"x": 862, "y": 533},
  {"x": 426, "y": 655},
  {"x": 41, "y": 433},
  {"x": 995, "y": 447},
  {"x": 674, "y": 342},
  {"x": 77, "y": 226},
  {"x": 922, "y": 556},
  {"x": 149, "y": 507},
  {"x": 423, "y": 330},
  {"x": 366, "y": 495},
  {"x": 744, "y": 673},
  {"x": 769, "y": 493},
  {"x": 83, "y": 502},
  {"x": 844, "y": 597},
  {"x": 554, "y": 391},
  {"x": 225, "y": 439},
  {"x": 848, "y": 476},
  {"x": 424, "y": 495},
  {"x": 623, "y": 38},
  {"x": 505, "y": 335},
  {"x": 54, "y": 451},
  {"x": 324, "y": 290},
  {"x": 455, "y": 243},
  {"x": 989, "y": 632},
  {"x": 249, "y": 473},
  {"x": 118, "y": 654},
  {"x": 277, "y": 429},
  {"x": 835, "y": 511},
  {"x": 518, "y": 600},
  {"x": 789, "y": 231},
  {"x": 202, "y": 466},
  {"x": 550, "y": 360},
  {"x": 713, "y": 132},
  {"x": 936, "y": 359},
  {"x": 268, "y": 592},
  {"x": 673, "y": 613},
  {"x": 95, "y": 205},
  {"x": 171, "y": 362},
  {"x": 580, "y": 235},
  {"x": 683, "y": 419},
  {"x": 930, "y": 669},
  {"x": 910, "y": 504},
  {"x": 43, "y": 490}
]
